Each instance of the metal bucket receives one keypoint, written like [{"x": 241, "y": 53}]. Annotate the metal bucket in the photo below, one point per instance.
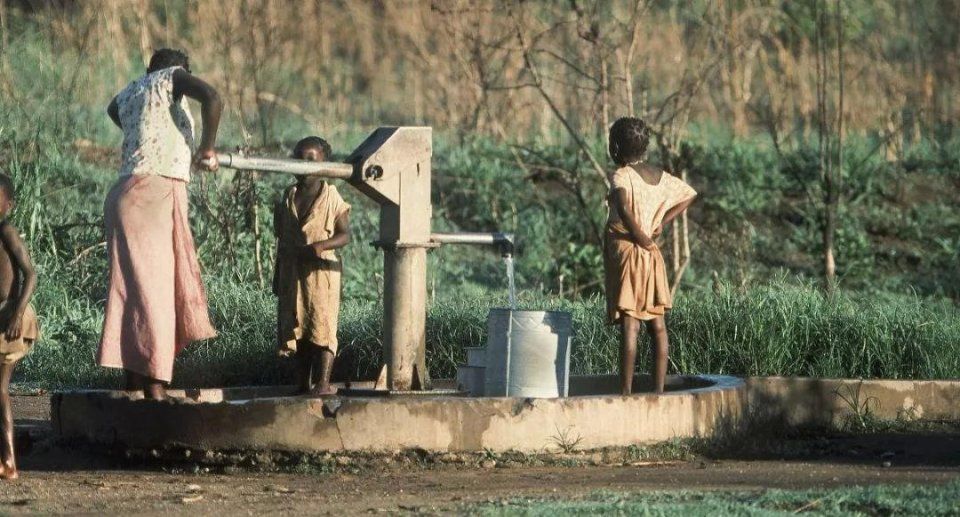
[{"x": 528, "y": 353}]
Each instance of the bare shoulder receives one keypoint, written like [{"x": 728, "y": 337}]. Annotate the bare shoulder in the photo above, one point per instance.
[
  {"x": 9, "y": 232},
  {"x": 185, "y": 83},
  {"x": 655, "y": 171},
  {"x": 649, "y": 168},
  {"x": 10, "y": 238},
  {"x": 651, "y": 174}
]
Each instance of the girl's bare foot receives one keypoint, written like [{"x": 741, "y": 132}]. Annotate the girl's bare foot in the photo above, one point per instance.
[
  {"x": 8, "y": 472},
  {"x": 323, "y": 391},
  {"x": 155, "y": 391}
]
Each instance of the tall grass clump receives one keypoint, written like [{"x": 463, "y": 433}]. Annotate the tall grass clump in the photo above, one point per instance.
[{"x": 789, "y": 329}]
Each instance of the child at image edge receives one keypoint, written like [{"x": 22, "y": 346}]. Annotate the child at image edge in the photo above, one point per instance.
[{"x": 18, "y": 321}]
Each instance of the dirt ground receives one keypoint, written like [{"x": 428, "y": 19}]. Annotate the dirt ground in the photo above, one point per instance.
[{"x": 58, "y": 479}]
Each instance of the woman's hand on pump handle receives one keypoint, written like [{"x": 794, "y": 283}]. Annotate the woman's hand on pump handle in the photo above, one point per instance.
[{"x": 206, "y": 159}]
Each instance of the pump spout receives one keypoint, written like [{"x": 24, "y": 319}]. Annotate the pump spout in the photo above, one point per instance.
[
  {"x": 286, "y": 166},
  {"x": 504, "y": 242}
]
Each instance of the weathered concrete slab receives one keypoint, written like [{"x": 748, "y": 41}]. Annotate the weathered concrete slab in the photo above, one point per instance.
[
  {"x": 697, "y": 406},
  {"x": 802, "y": 401},
  {"x": 212, "y": 420}
]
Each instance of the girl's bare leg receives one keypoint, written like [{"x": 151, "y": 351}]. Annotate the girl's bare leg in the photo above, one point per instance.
[
  {"x": 659, "y": 349},
  {"x": 304, "y": 366},
  {"x": 9, "y": 461},
  {"x": 326, "y": 369},
  {"x": 629, "y": 327}
]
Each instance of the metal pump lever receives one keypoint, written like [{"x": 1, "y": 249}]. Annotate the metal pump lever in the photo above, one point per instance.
[{"x": 286, "y": 166}]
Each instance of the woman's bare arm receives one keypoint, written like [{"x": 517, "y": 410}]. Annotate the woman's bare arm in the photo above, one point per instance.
[
  {"x": 619, "y": 197},
  {"x": 211, "y": 108},
  {"x": 114, "y": 111},
  {"x": 21, "y": 260}
]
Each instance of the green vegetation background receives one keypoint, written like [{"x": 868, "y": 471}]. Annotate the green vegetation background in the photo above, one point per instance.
[{"x": 748, "y": 305}]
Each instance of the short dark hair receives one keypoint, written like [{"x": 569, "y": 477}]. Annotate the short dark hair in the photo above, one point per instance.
[
  {"x": 629, "y": 137},
  {"x": 167, "y": 57},
  {"x": 312, "y": 142},
  {"x": 6, "y": 186}
]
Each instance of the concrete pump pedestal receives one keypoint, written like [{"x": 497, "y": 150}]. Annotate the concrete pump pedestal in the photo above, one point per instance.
[{"x": 269, "y": 418}]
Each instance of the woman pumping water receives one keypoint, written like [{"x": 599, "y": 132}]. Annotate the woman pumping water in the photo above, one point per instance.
[{"x": 156, "y": 303}]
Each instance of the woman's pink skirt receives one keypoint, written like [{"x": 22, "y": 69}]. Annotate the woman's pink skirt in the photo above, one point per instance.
[{"x": 156, "y": 304}]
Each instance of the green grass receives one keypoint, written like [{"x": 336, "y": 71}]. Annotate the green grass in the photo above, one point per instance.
[
  {"x": 855, "y": 501},
  {"x": 779, "y": 329}
]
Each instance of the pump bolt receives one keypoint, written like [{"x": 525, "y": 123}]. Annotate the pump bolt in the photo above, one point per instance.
[{"x": 375, "y": 172}]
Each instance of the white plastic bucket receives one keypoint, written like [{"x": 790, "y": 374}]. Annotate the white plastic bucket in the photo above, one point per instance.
[{"x": 528, "y": 353}]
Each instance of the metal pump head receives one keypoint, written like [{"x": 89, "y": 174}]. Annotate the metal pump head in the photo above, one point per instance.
[{"x": 392, "y": 167}]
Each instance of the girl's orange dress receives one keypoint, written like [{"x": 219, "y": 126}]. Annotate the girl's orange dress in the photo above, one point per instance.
[{"x": 636, "y": 279}]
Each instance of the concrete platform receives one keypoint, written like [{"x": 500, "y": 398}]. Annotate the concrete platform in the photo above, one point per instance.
[
  {"x": 810, "y": 402},
  {"x": 268, "y": 418},
  {"x": 694, "y": 406}
]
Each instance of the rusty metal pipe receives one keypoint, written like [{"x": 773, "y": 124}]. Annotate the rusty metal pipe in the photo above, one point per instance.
[{"x": 286, "y": 166}]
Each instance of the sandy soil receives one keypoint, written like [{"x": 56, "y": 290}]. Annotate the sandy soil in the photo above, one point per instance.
[{"x": 67, "y": 480}]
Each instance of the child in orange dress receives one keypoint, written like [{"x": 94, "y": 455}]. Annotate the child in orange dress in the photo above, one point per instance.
[
  {"x": 642, "y": 199},
  {"x": 311, "y": 221},
  {"x": 18, "y": 321}
]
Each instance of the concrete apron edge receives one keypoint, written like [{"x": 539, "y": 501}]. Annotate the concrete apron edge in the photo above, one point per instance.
[{"x": 496, "y": 424}]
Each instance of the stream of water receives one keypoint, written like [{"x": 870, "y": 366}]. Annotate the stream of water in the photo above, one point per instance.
[{"x": 508, "y": 261}]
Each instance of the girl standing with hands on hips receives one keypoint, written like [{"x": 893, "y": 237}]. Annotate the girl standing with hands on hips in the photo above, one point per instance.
[{"x": 642, "y": 199}]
